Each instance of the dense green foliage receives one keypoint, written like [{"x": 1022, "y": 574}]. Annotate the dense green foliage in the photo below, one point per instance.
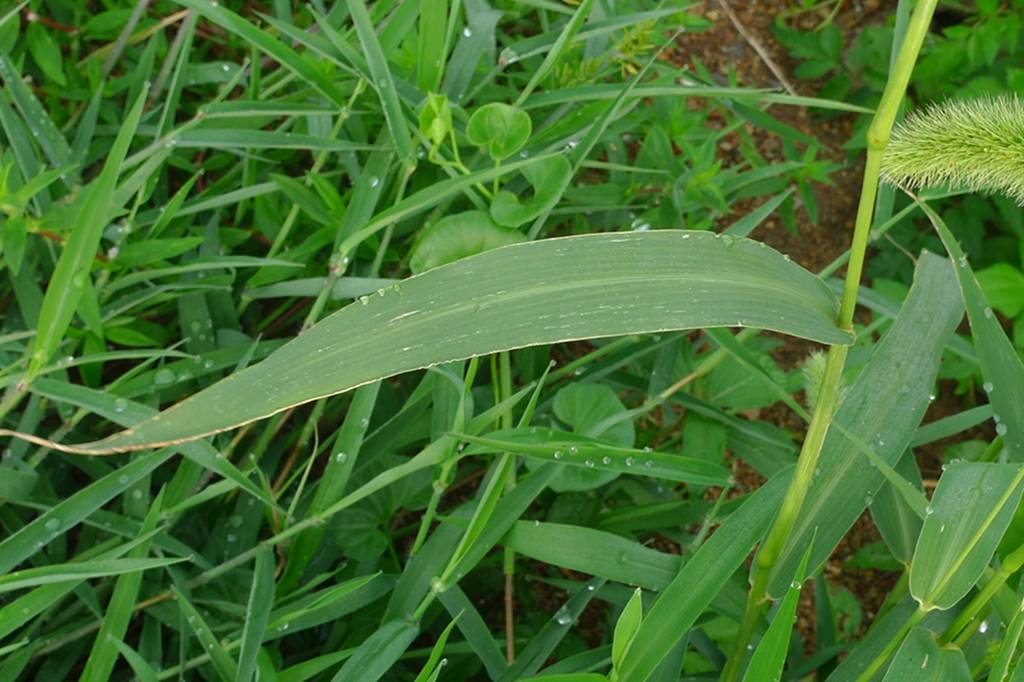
[{"x": 396, "y": 340}]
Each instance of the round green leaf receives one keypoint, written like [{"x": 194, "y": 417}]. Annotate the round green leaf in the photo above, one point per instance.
[
  {"x": 458, "y": 236},
  {"x": 548, "y": 177},
  {"x": 502, "y": 128}
]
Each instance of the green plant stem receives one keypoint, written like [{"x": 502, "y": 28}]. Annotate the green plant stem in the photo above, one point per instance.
[{"x": 877, "y": 138}]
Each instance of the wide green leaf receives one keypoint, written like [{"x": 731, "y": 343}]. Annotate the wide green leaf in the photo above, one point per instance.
[
  {"x": 904, "y": 363},
  {"x": 972, "y": 507},
  {"x": 522, "y": 295}
]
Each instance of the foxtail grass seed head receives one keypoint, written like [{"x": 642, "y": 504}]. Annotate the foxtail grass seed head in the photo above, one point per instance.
[{"x": 977, "y": 145}]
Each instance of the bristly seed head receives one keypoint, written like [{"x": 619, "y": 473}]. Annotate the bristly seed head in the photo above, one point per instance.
[{"x": 977, "y": 145}]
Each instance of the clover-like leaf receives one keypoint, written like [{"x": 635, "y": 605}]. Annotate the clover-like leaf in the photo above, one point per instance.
[
  {"x": 458, "y": 236},
  {"x": 502, "y": 128},
  {"x": 548, "y": 177}
]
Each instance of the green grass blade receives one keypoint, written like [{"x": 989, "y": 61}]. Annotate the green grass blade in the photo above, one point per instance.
[
  {"x": 701, "y": 578},
  {"x": 120, "y": 608},
  {"x": 227, "y": 138},
  {"x": 128, "y": 413},
  {"x": 68, "y": 280},
  {"x": 593, "y": 552},
  {"x": 279, "y": 50},
  {"x": 44, "y": 131},
  {"x": 378, "y": 653},
  {"x": 971, "y": 509},
  {"x": 139, "y": 665},
  {"x": 46, "y": 575},
  {"x": 73, "y": 510},
  {"x": 383, "y": 80},
  {"x": 538, "y": 649},
  {"x": 472, "y": 626},
  {"x": 1000, "y": 364},
  {"x": 905, "y": 361},
  {"x": 432, "y": 668},
  {"x": 257, "y": 615},
  {"x": 590, "y": 453},
  {"x": 225, "y": 666},
  {"x": 686, "y": 280},
  {"x": 433, "y": 29}
]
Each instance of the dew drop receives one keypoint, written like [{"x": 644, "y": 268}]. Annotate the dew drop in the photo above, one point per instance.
[
  {"x": 589, "y": 464},
  {"x": 120, "y": 405},
  {"x": 364, "y": 300},
  {"x": 340, "y": 457},
  {"x": 606, "y": 460},
  {"x": 467, "y": 32},
  {"x": 563, "y": 617},
  {"x": 648, "y": 464},
  {"x": 52, "y": 524},
  {"x": 123, "y": 479},
  {"x": 989, "y": 314},
  {"x": 988, "y": 387},
  {"x": 1001, "y": 429},
  {"x": 163, "y": 377},
  {"x": 558, "y": 454},
  {"x": 629, "y": 461}
]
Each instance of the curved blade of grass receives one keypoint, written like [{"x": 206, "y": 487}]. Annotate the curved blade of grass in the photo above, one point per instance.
[
  {"x": 971, "y": 509},
  {"x": 383, "y": 81},
  {"x": 524, "y": 295},
  {"x": 587, "y": 93},
  {"x": 379, "y": 652},
  {"x": 278, "y": 49},
  {"x": 544, "y": 642},
  {"x": 227, "y": 138},
  {"x": 593, "y": 552},
  {"x": 139, "y": 665},
  {"x": 44, "y": 131},
  {"x": 46, "y": 575},
  {"x": 68, "y": 280},
  {"x": 54, "y": 523},
  {"x": 225, "y": 666},
  {"x": 474, "y": 630},
  {"x": 570, "y": 449},
  {"x": 120, "y": 608},
  {"x": 128, "y": 412},
  {"x": 1000, "y": 364},
  {"x": 432, "y": 668},
  {"x": 257, "y": 614},
  {"x": 904, "y": 362},
  {"x": 700, "y": 579}
]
